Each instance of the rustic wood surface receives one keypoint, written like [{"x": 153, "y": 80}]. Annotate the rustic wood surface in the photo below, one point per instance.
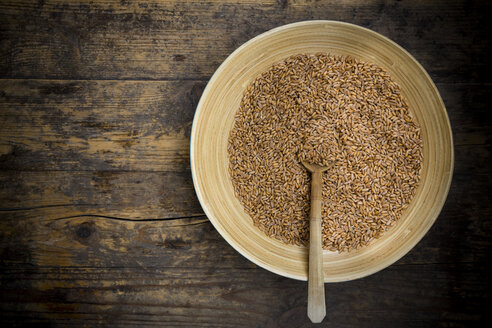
[{"x": 99, "y": 223}]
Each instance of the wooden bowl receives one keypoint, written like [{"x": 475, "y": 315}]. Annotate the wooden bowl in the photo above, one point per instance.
[{"x": 215, "y": 116}]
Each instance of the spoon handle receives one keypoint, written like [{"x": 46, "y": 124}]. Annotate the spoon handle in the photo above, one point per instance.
[{"x": 316, "y": 284}]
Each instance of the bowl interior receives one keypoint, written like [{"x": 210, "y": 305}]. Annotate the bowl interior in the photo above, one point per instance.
[{"x": 214, "y": 119}]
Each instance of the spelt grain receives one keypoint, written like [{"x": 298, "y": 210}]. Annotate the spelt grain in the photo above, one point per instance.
[{"x": 322, "y": 108}]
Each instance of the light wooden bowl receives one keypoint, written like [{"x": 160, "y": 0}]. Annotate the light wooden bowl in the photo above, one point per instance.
[{"x": 215, "y": 116}]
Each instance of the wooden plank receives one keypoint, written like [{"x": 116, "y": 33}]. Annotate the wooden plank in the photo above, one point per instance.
[
  {"x": 468, "y": 107},
  {"x": 40, "y": 238},
  {"x": 145, "y": 125},
  {"x": 435, "y": 295},
  {"x": 109, "y": 39},
  {"x": 126, "y": 195},
  {"x": 96, "y": 125},
  {"x": 461, "y": 232}
]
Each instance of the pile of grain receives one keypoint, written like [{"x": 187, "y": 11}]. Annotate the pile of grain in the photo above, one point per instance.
[{"x": 322, "y": 108}]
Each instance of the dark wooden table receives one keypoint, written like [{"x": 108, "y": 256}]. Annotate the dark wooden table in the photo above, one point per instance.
[{"x": 99, "y": 222}]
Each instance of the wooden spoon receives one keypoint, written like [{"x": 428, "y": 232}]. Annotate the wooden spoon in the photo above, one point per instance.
[{"x": 316, "y": 284}]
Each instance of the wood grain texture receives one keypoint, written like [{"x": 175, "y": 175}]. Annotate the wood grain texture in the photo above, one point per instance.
[
  {"x": 96, "y": 125},
  {"x": 130, "y": 195},
  {"x": 108, "y": 39},
  {"x": 99, "y": 223},
  {"x": 405, "y": 296}
]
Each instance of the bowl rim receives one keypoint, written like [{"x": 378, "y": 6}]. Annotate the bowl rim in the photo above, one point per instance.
[{"x": 199, "y": 110}]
